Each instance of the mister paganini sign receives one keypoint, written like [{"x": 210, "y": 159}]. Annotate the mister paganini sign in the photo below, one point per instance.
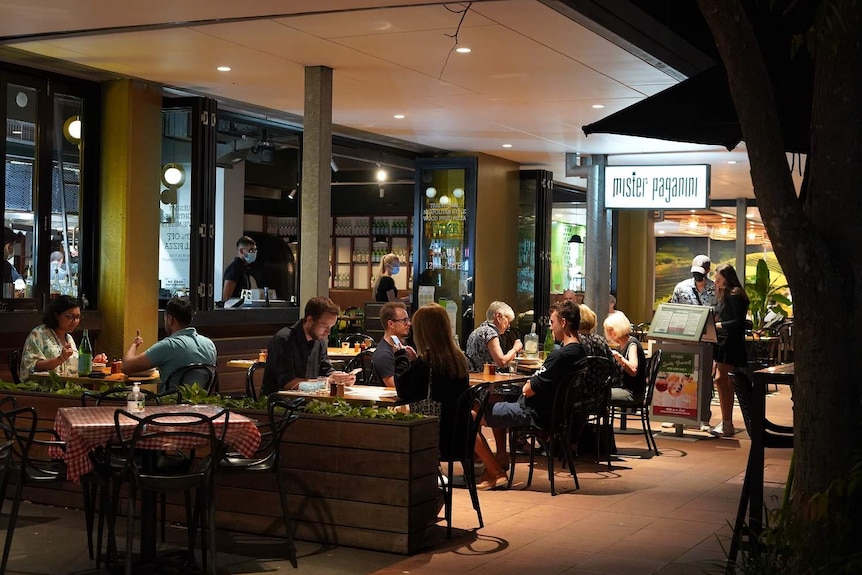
[{"x": 683, "y": 187}]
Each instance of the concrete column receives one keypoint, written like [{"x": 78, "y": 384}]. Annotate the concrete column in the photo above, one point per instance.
[
  {"x": 741, "y": 211},
  {"x": 131, "y": 165},
  {"x": 315, "y": 214}
]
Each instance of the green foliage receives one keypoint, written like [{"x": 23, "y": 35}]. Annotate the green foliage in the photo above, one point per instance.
[
  {"x": 762, "y": 292},
  {"x": 344, "y": 409},
  {"x": 825, "y": 540}
]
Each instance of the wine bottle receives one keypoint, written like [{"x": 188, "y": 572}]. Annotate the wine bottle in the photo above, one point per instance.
[
  {"x": 85, "y": 355},
  {"x": 549, "y": 341}
]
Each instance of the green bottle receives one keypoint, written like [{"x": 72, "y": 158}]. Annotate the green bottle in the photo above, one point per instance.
[
  {"x": 549, "y": 341},
  {"x": 85, "y": 355}
]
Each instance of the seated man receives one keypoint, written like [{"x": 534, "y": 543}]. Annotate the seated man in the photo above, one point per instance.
[
  {"x": 391, "y": 356},
  {"x": 536, "y": 403},
  {"x": 183, "y": 346},
  {"x": 298, "y": 352}
]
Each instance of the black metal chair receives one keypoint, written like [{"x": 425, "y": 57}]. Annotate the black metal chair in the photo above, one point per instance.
[
  {"x": 266, "y": 459},
  {"x": 20, "y": 435},
  {"x": 354, "y": 338},
  {"x": 774, "y": 436},
  {"x": 641, "y": 409},
  {"x": 250, "y": 387},
  {"x": 107, "y": 468},
  {"x": 202, "y": 443},
  {"x": 573, "y": 399},
  {"x": 203, "y": 374},
  {"x": 363, "y": 361},
  {"x": 14, "y": 359}
]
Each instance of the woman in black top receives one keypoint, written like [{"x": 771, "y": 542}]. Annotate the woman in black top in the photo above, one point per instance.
[
  {"x": 730, "y": 314},
  {"x": 618, "y": 330},
  {"x": 384, "y": 287}
]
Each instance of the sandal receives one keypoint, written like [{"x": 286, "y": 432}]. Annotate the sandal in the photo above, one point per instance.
[{"x": 493, "y": 483}]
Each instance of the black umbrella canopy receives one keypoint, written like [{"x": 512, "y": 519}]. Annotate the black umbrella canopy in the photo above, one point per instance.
[{"x": 700, "y": 110}]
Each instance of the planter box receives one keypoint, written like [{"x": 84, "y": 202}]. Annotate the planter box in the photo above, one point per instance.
[{"x": 368, "y": 483}]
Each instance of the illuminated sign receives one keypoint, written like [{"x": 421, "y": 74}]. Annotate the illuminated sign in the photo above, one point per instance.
[{"x": 657, "y": 187}]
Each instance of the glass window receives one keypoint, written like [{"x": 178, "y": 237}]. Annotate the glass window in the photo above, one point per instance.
[{"x": 175, "y": 202}]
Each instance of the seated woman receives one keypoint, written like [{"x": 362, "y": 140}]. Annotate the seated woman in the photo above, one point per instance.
[
  {"x": 50, "y": 347},
  {"x": 630, "y": 356},
  {"x": 442, "y": 365},
  {"x": 483, "y": 345}
]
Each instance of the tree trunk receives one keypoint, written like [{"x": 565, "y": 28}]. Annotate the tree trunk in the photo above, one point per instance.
[{"x": 816, "y": 241}]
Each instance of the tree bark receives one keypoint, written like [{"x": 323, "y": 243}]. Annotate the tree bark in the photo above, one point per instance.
[{"x": 817, "y": 242}]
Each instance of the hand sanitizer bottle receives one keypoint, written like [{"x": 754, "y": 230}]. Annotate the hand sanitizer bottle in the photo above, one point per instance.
[{"x": 135, "y": 399}]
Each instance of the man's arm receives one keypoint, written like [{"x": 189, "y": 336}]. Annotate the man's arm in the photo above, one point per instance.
[
  {"x": 133, "y": 361},
  {"x": 227, "y": 290}
]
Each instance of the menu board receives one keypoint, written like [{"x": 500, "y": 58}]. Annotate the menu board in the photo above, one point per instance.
[
  {"x": 683, "y": 322},
  {"x": 676, "y": 387}
]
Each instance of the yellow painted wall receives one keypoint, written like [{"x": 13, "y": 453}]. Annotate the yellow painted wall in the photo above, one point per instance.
[
  {"x": 496, "y": 233},
  {"x": 128, "y": 250},
  {"x": 635, "y": 265}
]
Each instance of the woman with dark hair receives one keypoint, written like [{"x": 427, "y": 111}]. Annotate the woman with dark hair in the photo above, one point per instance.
[
  {"x": 730, "y": 313},
  {"x": 50, "y": 347},
  {"x": 442, "y": 363}
]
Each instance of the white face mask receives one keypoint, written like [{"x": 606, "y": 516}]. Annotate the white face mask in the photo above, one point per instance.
[{"x": 250, "y": 257}]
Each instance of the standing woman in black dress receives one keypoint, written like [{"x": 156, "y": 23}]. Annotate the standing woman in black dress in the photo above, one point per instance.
[{"x": 730, "y": 350}]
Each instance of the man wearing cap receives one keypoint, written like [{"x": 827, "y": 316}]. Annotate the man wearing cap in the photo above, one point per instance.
[{"x": 698, "y": 289}]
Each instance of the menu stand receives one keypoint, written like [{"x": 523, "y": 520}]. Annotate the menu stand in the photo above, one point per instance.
[{"x": 683, "y": 392}]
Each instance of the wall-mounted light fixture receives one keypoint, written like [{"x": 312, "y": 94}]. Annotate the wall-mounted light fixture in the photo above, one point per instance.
[
  {"x": 173, "y": 175},
  {"x": 72, "y": 129},
  {"x": 430, "y": 192},
  {"x": 444, "y": 200}
]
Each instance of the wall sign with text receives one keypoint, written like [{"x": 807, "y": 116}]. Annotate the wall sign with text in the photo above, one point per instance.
[{"x": 684, "y": 187}]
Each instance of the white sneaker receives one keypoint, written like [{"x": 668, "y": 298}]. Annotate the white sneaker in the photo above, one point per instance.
[
  {"x": 704, "y": 426},
  {"x": 723, "y": 430},
  {"x": 667, "y": 424}
]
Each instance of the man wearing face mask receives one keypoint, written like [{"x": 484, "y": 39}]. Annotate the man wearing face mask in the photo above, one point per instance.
[
  {"x": 241, "y": 273},
  {"x": 697, "y": 290}
]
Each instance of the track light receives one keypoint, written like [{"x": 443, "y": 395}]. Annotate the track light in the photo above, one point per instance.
[
  {"x": 292, "y": 194},
  {"x": 333, "y": 165}
]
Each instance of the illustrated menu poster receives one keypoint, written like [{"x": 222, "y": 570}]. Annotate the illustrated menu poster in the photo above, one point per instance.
[{"x": 676, "y": 387}]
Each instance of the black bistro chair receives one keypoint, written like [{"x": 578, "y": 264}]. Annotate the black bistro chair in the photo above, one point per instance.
[
  {"x": 462, "y": 448},
  {"x": 361, "y": 361},
  {"x": 204, "y": 374},
  {"x": 26, "y": 460},
  {"x": 14, "y": 360},
  {"x": 282, "y": 414},
  {"x": 250, "y": 386},
  {"x": 107, "y": 470},
  {"x": 774, "y": 436},
  {"x": 640, "y": 408},
  {"x": 574, "y": 400},
  {"x": 202, "y": 443}
]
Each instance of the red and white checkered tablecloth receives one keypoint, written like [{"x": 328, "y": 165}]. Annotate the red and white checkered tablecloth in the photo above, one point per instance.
[{"x": 85, "y": 428}]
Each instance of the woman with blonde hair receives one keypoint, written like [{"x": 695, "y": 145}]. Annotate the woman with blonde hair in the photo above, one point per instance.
[
  {"x": 441, "y": 364},
  {"x": 618, "y": 330},
  {"x": 384, "y": 286}
]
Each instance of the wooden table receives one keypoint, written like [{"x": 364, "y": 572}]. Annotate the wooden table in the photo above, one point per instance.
[
  {"x": 335, "y": 353},
  {"x": 241, "y": 363},
  {"x": 782, "y": 374},
  {"x": 354, "y": 394},
  {"x": 85, "y": 428},
  {"x": 497, "y": 378},
  {"x": 149, "y": 382}
]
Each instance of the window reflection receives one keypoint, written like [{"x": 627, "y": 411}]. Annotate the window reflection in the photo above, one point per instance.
[{"x": 175, "y": 203}]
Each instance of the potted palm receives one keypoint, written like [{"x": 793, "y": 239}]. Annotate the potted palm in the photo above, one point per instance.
[{"x": 765, "y": 296}]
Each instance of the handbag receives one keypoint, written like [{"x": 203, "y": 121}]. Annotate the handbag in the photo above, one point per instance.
[{"x": 427, "y": 406}]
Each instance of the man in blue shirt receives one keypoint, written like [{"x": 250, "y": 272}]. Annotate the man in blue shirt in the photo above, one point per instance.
[{"x": 183, "y": 346}]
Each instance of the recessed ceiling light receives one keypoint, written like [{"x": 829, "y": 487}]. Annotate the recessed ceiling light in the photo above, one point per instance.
[
  {"x": 598, "y": 106},
  {"x": 223, "y": 68},
  {"x": 463, "y": 50},
  {"x": 731, "y": 161},
  {"x": 399, "y": 116},
  {"x": 507, "y": 145}
]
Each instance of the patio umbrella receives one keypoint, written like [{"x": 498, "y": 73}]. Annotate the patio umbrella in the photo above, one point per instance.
[{"x": 700, "y": 110}]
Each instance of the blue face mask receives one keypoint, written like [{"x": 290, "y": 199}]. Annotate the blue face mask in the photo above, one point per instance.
[
  {"x": 395, "y": 270},
  {"x": 250, "y": 257}
]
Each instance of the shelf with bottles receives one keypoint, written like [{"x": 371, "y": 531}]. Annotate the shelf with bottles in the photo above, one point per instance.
[
  {"x": 359, "y": 244},
  {"x": 282, "y": 227}
]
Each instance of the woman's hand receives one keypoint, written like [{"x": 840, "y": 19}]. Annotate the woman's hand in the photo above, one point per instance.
[{"x": 65, "y": 353}]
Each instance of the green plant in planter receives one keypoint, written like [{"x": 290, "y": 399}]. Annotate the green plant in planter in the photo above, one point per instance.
[
  {"x": 344, "y": 409},
  {"x": 765, "y": 296}
]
